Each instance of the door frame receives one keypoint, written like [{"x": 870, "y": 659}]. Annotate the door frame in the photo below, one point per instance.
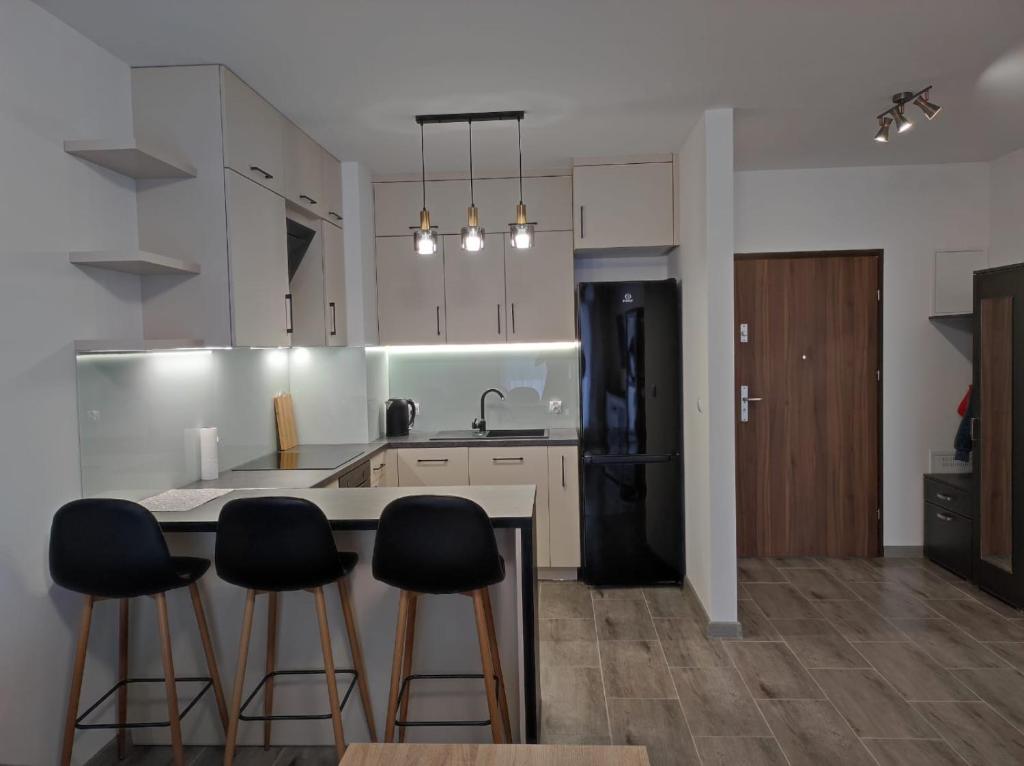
[{"x": 879, "y": 254}]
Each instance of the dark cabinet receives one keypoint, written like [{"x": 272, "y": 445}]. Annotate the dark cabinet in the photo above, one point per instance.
[{"x": 948, "y": 522}]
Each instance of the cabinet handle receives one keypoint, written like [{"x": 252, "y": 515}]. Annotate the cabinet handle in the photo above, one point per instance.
[
  {"x": 563, "y": 471},
  {"x": 944, "y": 516},
  {"x": 507, "y": 459},
  {"x": 581, "y": 221},
  {"x": 334, "y": 318},
  {"x": 944, "y": 498},
  {"x": 334, "y": 215},
  {"x": 377, "y": 467},
  {"x": 438, "y": 309},
  {"x": 257, "y": 169},
  {"x": 308, "y": 199},
  {"x": 513, "y": 319},
  {"x": 288, "y": 313},
  {"x": 499, "y": 319},
  {"x": 431, "y": 460}
]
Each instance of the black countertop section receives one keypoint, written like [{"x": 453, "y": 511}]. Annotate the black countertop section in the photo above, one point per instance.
[{"x": 962, "y": 481}]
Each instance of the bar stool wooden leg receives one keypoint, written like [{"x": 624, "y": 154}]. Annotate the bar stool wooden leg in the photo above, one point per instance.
[
  {"x": 480, "y": 611},
  {"x": 496, "y": 654},
  {"x": 77, "y": 672},
  {"x": 357, "y": 655},
  {"x": 268, "y": 697},
  {"x": 172, "y": 691},
  {"x": 236, "y": 695},
  {"x": 122, "y": 675},
  {"x": 332, "y": 682},
  {"x": 396, "y": 666},
  {"x": 211, "y": 658},
  {"x": 410, "y": 640}
]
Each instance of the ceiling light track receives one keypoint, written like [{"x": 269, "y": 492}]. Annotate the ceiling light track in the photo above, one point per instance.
[{"x": 896, "y": 114}]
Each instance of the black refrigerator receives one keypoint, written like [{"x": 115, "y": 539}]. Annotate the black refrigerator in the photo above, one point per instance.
[{"x": 630, "y": 394}]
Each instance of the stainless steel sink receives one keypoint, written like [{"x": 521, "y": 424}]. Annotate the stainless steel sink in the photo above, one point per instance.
[{"x": 494, "y": 433}]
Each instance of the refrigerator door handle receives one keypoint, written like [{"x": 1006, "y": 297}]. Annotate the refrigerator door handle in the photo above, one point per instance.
[{"x": 627, "y": 459}]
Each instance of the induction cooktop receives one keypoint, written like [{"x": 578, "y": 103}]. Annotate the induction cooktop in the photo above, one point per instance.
[{"x": 305, "y": 457}]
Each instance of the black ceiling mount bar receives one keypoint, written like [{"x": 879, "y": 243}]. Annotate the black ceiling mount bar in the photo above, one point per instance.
[
  {"x": 904, "y": 98},
  {"x": 437, "y": 119}
]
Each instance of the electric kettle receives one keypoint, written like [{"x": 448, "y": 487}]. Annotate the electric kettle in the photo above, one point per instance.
[{"x": 399, "y": 415}]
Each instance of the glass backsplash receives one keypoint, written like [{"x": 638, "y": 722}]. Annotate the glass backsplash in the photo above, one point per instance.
[{"x": 446, "y": 383}]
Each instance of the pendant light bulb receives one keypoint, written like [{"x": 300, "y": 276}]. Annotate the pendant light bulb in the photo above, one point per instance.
[
  {"x": 521, "y": 232},
  {"x": 902, "y": 123},
  {"x": 424, "y": 237},
  {"x": 472, "y": 236},
  {"x": 882, "y": 136},
  {"x": 929, "y": 109}
]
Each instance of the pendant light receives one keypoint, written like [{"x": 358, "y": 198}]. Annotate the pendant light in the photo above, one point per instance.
[
  {"x": 882, "y": 136},
  {"x": 424, "y": 238},
  {"x": 472, "y": 239},
  {"x": 521, "y": 232}
]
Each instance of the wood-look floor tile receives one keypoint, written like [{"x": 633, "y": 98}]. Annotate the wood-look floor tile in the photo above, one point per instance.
[
  {"x": 159, "y": 755},
  {"x": 306, "y": 756},
  {"x": 566, "y": 600},
  {"x": 614, "y": 593},
  {"x": 975, "y": 731},
  {"x": 1012, "y": 652},
  {"x": 758, "y": 570},
  {"x": 870, "y": 705},
  {"x": 781, "y": 601},
  {"x": 686, "y": 645},
  {"x": 807, "y": 627},
  {"x": 570, "y": 643},
  {"x": 635, "y": 670},
  {"x": 858, "y": 621},
  {"x": 999, "y": 607},
  {"x": 923, "y": 584},
  {"x": 771, "y": 671},
  {"x": 717, "y": 704},
  {"x": 740, "y": 751},
  {"x": 912, "y": 752},
  {"x": 573, "y": 709},
  {"x": 795, "y": 562},
  {"x": 979, "y": 621},
  {"x": 949, "y": 646},
  {"x": 829, "y": 651},
  {"x": 943, "y": 574},
  {"x": 754, "y": 624},
  {"x": 812, "y": 733},
  {"x": 817, "y": 584},
  {"x": 893, "y": 600},
  {"x": 1002, "y": 689},
  {"x": 623, "y": 619},
  {"x": 674, "y": 602},
  {"x": 851, "y": 570},
  {"x": 913, "y": 672},
  {"x": 657, "y": 724}
]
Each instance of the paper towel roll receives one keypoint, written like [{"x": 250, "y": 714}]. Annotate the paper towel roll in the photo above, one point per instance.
[{"x": 208, "y": 463}]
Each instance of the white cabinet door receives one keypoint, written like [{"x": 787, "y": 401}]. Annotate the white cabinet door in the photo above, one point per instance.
[
  {"x": 253, "y": 134},
  {"x": 549, "y": 202},
  {"x": 303, "y": 172},
  {"x": 257, "y": 263},
  {"x": 334, "y": 284},
  {"x": 623, "y": 205},
  {"x": 440, "y": 467},
  {"x": 474, "y": 291},
  {"x": 496, "y": 200},
  {"x": 410, "y": 293},
  {"x": 397, "y": 205},
  {"x": 539, "y": 289},
  {"x": 383, "y": 469},
  {"x": 332, "y": 187},
  {"x": 564, "y": 506},
  {"x": 517, "y": 465}
]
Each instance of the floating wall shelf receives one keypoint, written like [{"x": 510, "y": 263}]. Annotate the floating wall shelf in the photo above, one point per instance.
[
  {"x": 134, "y": 346},
  {"x": 135, "y": 159},
  {"x": 133, "y": 262}
]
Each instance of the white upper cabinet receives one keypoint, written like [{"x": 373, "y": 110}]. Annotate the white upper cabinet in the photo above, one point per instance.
[
  {"x": 257, "y": 239},
  {"x": 397, "y": 205},
  {"x": 626, "y": 205},
  {"x": 332, "y": 187},
  {"x": 539, "y": 289},
  {"x": 253, "y": 134},
  {"x": 548, "y": 202},
  {"x": 410, "y": 293},
  {"x": 334, "y": 284},
  {"x": 304, "y": 184},
  {"x": 474, "y": 291}
]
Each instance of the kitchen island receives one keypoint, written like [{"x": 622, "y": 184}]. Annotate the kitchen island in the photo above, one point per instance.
[{"x": 446, "y": 641}]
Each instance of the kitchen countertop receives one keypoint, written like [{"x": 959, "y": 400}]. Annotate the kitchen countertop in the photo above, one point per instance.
[{"x": 304, "y": 479}]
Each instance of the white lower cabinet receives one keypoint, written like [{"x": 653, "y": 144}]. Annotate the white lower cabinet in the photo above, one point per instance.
[
  {"x": 433, "y": 467},
  {"x": 564, "y": 506},
  {"x": 384, "y": 469}
]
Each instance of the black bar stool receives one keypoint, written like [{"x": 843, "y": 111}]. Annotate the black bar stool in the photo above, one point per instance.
[
  {"x": 272, "y": 545},
  {"x": 114, "y": 549},
  {"x": 430, "y": 544}
]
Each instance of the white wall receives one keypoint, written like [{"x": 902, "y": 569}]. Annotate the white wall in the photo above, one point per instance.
[
  {"x": 704, "y": 264},
  {"x": 54, "y": 85},
  {"x": 908, "y": 212},
  {"x": 620, "y": 268},
  {"x": 360, "y": 254},
  {"x": 1007, "y": 218}
]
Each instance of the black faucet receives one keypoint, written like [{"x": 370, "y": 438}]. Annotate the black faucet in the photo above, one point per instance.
[{"x": 481, "y": 424}]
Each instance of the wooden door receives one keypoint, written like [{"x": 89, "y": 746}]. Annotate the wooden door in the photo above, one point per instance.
[
  {"x": 629, "y": 205},
  {"x": 474, "y": 291},
  {"x": 808, "y": 450},
  {"x": 410, "y": 293},
  {"x": 539, "y": 289}
]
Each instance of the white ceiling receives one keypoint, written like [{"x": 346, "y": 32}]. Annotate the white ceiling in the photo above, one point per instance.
[{"x": 601, "y": 77}]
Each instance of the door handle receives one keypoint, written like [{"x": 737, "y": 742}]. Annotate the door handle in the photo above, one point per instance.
[
  {"x": 432, "y": 460},
  {"x": 499, "y": 319},
  {"x": 581, "y": 221},
  {"x": 334, "y": 318},
  {"x": 308, "y": 199},
  {"x": 944, "y": 498},
  {"x": 334, "y": 215},
  {"x": 563, "y": 471},
  {"x": 257, "y": 169},
  {"x": 438, "y": 310},
  {"x": 513, "y": 319},
  {"x": 288, "y": 313},
  {"x": 944, "y": 516},
  {"x": 507, "y": 460},
  {"x": 745, "y": 400}
]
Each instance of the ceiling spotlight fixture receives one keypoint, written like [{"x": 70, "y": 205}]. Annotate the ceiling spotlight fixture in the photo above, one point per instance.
[
  {"x": 897, "y": 113},
  {"x": 424, "y": 236},
  {"x": 521, "y": 232},
  {"x": 472, "y": 239}
]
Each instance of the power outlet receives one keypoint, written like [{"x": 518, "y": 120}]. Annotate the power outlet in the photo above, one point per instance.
[{"x": 555, "y": 406}]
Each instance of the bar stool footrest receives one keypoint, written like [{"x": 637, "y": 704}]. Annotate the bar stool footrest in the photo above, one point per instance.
[
  {"x": 407, "y": 681},
  {"x": 308, "y": 717},
  {"x": 206, "y": 680}
]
